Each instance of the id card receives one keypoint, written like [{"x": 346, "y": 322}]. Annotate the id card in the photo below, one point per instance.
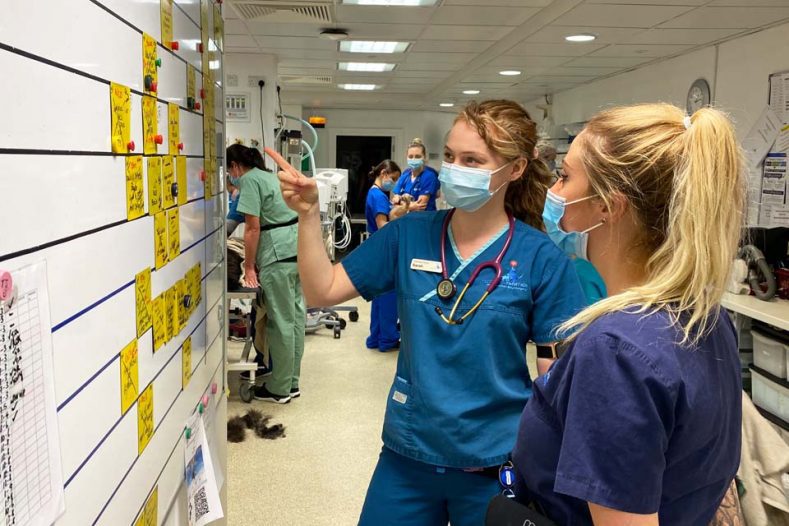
[{"x": 426, "y": 265}]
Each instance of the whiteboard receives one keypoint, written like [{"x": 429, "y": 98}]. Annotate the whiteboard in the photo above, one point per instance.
[{"x": 56, "y": 140}]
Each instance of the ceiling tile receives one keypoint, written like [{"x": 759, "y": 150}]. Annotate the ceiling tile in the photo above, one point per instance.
[
  {"x": 749, "y": 3},
  {"x": 382, "y": 14},
  {"x": 235, "y": 27},
  {"x": 432, "y": 58},
  {"x": 522, "y": 61},
  {"x": 240, "y": 41},
  {"x": 646, "y": 51},
  {"x": 553, "y": 50},
  {"x": 605, "y": 35},
  {"x": 313, "y": 54},
  {"x": 276, "y": 43},
  {"x": 501, "y": 3},
  {"x": 680, "y": 36},
  {"x": 423, "y": 74},
  {"x": 482, "y": 15},
  {"x": 449, "y": 46},
  {"x": 607, "y": 62},
  {"x": 258, "y": 28},
  {"x": 466, "y": 32},
  {"x": 619, "y": 15},
  {"x": 728, "y": 17},
  {"x": 651, "y": 2},
  {"x": 583, "y": 72},
  {"x": 429, "y": 67}
]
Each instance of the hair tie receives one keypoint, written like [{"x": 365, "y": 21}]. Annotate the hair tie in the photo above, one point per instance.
[{"x": 686, "y": 122}]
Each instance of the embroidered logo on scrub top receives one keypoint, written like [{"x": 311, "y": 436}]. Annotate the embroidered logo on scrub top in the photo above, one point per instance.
[{"x": 512, "y": 279}]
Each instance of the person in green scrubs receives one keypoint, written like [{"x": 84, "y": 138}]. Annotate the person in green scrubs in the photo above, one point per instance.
[{"x": 270, "y": 242}]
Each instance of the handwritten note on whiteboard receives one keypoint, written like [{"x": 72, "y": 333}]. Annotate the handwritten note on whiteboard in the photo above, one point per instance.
[
  {"x": 190, "y": 86},
  {"x": 219, "y": 27},
  {"x": 144, "y": 419},
  {"x": 180, "y": 287},
  {"x": 173, "y": 113},
  {"x": 149, "y": 125},
  {"x": 159, "y": 313},
  {"x": 170, "y": 314},
  {"x": 173, "y": 234},
  {"x": 166, "y": 8},
  {"x": 149, "y": 56},
  {"x": 142, "y": 300},
  {"x": 149, "y": 514},
  {"x": 186, "y": 362},
  {"x": 160, "y": 246},
  {"x": 154, "y": 185},
  {"x": 120, "y": 117},
  {"x": 129, "y": 376},
  {"x": 168, "y": 179},
  {"x": 180, "y": 171},
  {"x": 135, "y": 190}
]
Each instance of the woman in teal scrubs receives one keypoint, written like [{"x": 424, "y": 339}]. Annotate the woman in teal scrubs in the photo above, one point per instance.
[{"x": 462, "y": 379}]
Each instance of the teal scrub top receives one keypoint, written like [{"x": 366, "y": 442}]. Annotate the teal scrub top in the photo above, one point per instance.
[
  {"x": 459, "y": 390},
  {"x": 260, "y": 195},
  {"x": 591, "y": 281}
]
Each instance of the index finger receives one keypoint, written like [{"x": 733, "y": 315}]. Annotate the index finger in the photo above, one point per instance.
[{"x": 281, "y": 162}]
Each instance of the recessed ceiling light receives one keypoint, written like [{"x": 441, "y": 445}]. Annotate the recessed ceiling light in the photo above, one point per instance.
[
  {"x": 372, "y": 46},
  {"x": 412, "y": 3},
  {"x": 366, "y": 66},
  {"x": 334, "y": 34},
  {"x": 582, "y": 37},
  {"x": 358, "y": 87},
  {"x": 447, "y": 104},
  {"x": 471, "y": 92},
  {"x": 510, "y": 72}
]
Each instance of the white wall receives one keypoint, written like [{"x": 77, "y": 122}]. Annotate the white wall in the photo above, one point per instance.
[
  {"x": 245, "y": 65},
  {"x": 739, "y": 86},
  {"x": 402, "y": 125}
]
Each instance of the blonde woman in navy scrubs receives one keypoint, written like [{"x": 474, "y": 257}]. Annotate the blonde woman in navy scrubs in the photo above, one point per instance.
[{"x": 473, "y": 284}]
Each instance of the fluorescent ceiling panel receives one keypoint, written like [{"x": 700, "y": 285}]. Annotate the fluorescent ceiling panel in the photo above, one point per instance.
[
  {"x": 366, "y": 66},
  {"x": 372, "y": 46}
]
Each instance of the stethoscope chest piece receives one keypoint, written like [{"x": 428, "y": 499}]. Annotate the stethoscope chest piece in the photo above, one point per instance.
[{"x": 446, "y": 289}]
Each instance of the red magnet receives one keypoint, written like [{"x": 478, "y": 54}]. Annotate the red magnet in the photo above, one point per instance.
[
  {"x": 158, "y": 139},
  {"x": 174, "y": 45},
  {"x": 180, "y": 146},
  {"x": 214, "y": 388},
  {"x": 6, "y": 285},
  {"x": 130, "y": 146},
  {"x": 197, "y": 105},
  {"x": 202, "y": 175},
  {"x": 200, "y": 47},
  {"x": 202, "y": 93}
]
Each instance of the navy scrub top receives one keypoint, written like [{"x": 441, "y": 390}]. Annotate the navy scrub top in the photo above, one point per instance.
[
  {"x": 377, "y": 204},
  {"x": 631, "y": 420},
  {"x": 459, "y": 390},
  {"x": 426, "y": 184}
]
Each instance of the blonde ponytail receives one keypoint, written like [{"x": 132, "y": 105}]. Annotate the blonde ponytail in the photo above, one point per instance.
[{"x": 686, "y": 188}]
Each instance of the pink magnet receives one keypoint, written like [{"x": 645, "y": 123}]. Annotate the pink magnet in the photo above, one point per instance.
[
  {"x": 205, "y": 400},
  {"x": 214, "y": 388},
  {"x": 6, "y": 285}
]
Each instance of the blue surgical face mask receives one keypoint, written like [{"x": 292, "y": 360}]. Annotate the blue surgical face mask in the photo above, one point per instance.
[
  {"x": 387, "y": 186},
  {"x": 573, "y": 243},
  {"x": 416, "y": 163},
  {"x": 234, "y": 180},
  {"x": 467, "y": 188}
]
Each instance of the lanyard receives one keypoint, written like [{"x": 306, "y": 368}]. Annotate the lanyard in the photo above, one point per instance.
[{"x": 447, "y": 289}]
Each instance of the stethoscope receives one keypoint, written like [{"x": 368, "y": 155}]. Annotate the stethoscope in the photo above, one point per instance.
[{"x": 446, "y": 288}]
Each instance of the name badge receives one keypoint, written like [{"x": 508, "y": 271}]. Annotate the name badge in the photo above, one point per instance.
[{"x": 426, "y": 265}]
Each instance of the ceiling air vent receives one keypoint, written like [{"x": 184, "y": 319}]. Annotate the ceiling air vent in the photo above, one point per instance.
[
  {"x": 293, "y": 12},
  {"x": 322, "y": 80}
]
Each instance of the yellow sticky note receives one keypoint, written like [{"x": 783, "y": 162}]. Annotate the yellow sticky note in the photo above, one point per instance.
[
  {"x": 190, "y": 87},
  {"x": 171, "y": 312},
  {"x": 198, "y": 293},
  {"x": 186, "y": 361},
  {"x": 168, "y": 180},
  {"x": 142, "y": 300},
  {"x": 180, "y": 176},
  {"x": 204, "y": 7},
  {"x": 166, "y": 9},
  {"x": 144, "y": 419},
  {"x": 149, "y": 68},
  {"x": 219, "y": 28},
  {"x": 173, "y": 234},
  {"x": 120, "y": 117},
  {"x": 129, "y": 376},
  {"x": 159, "y": 315},
  {"x": 135, "y": 190},
  {"x": 173, "y": 138},
  {"x": 149, "y": 514},
  {"x": 160, "y": 247},
  {"x": 154, "y": 185},
  {"x": 180, "y": 287},
  {"x": 149, "y": 126}
]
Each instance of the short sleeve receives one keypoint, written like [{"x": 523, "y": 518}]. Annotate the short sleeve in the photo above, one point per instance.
[
  {"x": 249, "y": 197},
  {"x": 398, "y": 187},
  {"x": 372, "y": 267},
  {"x": 430, "y": 183},
  {"x": 557, "y": 297},
  {"x": 381, "y": 204},
  {"x": 616, "y": 412}
]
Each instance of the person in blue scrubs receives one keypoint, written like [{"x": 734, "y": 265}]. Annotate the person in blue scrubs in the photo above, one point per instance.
[
  {"x": 233, "y": 217},
  {"x": 384, "y": 334},
  {"x": 460, "y": 386},
  {"x": 638, "y": 422},
  {"x": 419, "y": 181}
]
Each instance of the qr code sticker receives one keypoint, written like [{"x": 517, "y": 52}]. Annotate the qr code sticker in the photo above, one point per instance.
[{"x": 201, "y": 503}]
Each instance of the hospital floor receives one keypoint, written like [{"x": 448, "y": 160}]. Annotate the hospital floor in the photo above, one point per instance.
[{"x": 318, "y": 474}]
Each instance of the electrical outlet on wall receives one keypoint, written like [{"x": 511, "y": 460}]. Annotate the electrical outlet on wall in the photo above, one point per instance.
[{"x": 253, "y": 81}]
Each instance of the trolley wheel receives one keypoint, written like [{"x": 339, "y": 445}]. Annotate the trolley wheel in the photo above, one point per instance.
[
  {"x": 343, "y": 323},
  {"x": 246, "y": 391},
  {"x": 337, "y": 333},
  {"x": 353, "y": 315}
]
